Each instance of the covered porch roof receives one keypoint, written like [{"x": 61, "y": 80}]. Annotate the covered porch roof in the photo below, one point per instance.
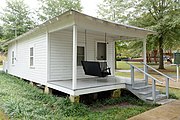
[{"x": 87, "y": 22}]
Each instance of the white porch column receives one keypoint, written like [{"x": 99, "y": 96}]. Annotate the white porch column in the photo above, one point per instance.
[
  {"x": 74, "y": 58},
  {"x": 144, "y": 60},
  {"x": 144, "y": 51}
]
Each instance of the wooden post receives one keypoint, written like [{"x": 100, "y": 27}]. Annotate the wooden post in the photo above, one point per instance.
[
  {"x": 154, "y": 90},
  {"x": 146, "y": 77},
  {"x": 74, "y": 64},
  {"x": 132, "y": 75},
  {"x": 144, "y": 60},
  {"x": 167, "y": 87},
  {"x": 177, "y": 72}
]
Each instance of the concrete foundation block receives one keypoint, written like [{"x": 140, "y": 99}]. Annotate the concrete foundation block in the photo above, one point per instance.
[
  {"x": 116, "y": 93},
  {"x": 31, "y": 83},
  {"x": 47, "y": 90},
  {"x": 74, "y": 99}
]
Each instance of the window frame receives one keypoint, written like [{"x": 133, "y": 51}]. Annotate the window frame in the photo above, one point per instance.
[
  {"x": 96, "y": 52},
  {"x": 79, "y": 65},
  {"x": 31, "y": 57},
  {"x": 13, "y": 57}
]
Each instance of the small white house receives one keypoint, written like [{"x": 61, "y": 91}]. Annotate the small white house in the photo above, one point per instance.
[{"x": 51, "y": 54}]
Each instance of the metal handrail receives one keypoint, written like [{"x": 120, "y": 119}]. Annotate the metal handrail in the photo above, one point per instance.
[
  {"x": 145, "y": 73},
  {"x": 158, "y": 72}
]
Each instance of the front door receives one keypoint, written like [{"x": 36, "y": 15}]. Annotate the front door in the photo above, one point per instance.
[{"x": 101, "y": 51}]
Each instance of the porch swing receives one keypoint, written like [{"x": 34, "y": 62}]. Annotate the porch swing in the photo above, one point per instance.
[{"x": 95, "y": 68}]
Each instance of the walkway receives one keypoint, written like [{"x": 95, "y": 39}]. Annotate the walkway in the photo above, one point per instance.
[{"x": 169, "y": 111}]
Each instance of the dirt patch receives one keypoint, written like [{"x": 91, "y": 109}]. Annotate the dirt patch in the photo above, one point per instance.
[
  {"x": 106, "y": 107},
  {"x": 3, "y": 116}
]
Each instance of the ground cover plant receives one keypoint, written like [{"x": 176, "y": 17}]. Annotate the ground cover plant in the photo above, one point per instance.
[{"x": 19, "y": 100}]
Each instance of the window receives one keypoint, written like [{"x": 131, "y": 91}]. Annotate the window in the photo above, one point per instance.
[
  {"x": 80, "y": 55},
  {"x": 101, "y": 51},
  {"x": 32, "y": 56},
  {"x": 13, "y": 58}
]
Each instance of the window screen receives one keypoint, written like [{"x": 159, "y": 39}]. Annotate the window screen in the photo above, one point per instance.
[
  {"x": 31, "y": 56},
  {"x": 101, "y": 51},
  {"x": 80, "y": 55}
]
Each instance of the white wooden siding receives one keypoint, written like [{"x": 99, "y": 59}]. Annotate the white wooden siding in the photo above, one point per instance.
[
  {"x": 21, "y": 68},
  {"x": 61, "y": 53}
]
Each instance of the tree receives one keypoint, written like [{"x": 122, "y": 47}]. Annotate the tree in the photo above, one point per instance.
[
  {"x": 162, "y": 16},
  {"x": 16, "y": 19},
  {"x": 115, "y": 10},
  {"x": 1, "y": 32},
  {"x": 52, "y": 8}
]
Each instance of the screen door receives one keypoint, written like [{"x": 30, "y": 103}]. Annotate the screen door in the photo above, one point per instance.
[{"x": 101, "y": 51}]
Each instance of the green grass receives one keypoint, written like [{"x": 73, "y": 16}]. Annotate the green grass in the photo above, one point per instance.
[
  {"x": 122, "y": 65},
  {"x": 19, "y": 100},
  {"x": 137, "y": 75},
  {"x": 174, "y": 93}
]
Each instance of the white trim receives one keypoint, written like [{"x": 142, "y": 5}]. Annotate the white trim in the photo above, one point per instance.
[
  {"x": 31, "y": 66},
  {"x": 74, "y": 58},
  {"x": 84, "y": 54},
  {"x": 113, "y": 59},
  {"x": 48, "y": 54},
  {"x": 13, "y": 58},
  {"x": 60, "y": 88},
  {"x": 144, "y": 51},
  {"x": 99, "y": 89},
  {"x": 144, "y": 57}
]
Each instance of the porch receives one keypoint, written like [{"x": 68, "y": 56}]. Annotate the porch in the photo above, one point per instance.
[
  {"x": 88, "y": 85},
  {"x": 87, "y": 39}
]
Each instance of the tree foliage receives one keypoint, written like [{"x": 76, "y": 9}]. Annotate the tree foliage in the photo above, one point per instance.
[
  {"x": 52, "y": 8},
  {"x": 16, "y": 19},
  {"x": 115, "y": 10},
  {"x": 1, "y": 32},
  {"x": 162, "y": 16}
]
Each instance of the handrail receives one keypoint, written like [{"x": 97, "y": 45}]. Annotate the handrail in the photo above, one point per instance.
[
  {"x": 145, "y": 73},
  {"x": 158, "y": 72}
]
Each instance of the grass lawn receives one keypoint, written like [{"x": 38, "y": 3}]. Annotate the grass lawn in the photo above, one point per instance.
[
  {"x": 19, "y": 100},
  {"x": 174, "y": 93},
  {"x": 122, "y": 65},
  {"x": 137, "y": 75}
]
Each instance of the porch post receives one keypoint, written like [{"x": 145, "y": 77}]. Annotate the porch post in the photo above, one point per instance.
[
  {"x": 144, "y": 60},
  {"x": 74, "y": 58}
]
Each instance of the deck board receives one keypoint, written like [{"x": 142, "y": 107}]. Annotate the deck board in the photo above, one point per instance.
[{"x": 85, "y": 83}]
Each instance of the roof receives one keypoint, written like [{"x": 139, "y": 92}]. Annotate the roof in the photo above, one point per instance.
[{"x": 74, "y": 13}]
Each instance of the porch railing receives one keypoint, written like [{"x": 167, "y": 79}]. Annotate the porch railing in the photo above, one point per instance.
[
  {"x": 154, "y": 80},
  {"x": 162, "y": 74}
]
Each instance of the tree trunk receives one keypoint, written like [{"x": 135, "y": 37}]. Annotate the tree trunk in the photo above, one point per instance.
[
  {"x": 115, "y": 55},
  {"x": 161, "y": 62},
  {"x": 155, "y": 56},
  {"x": 147, "y": 57}
]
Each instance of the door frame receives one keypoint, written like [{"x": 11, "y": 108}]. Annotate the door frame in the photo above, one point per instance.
[{"x": 98, "y": 41}]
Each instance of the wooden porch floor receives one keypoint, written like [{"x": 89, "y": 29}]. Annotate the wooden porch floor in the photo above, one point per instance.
[
  {"x": 84, "y": 83},
  {"x": 90, "y": 85}
]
